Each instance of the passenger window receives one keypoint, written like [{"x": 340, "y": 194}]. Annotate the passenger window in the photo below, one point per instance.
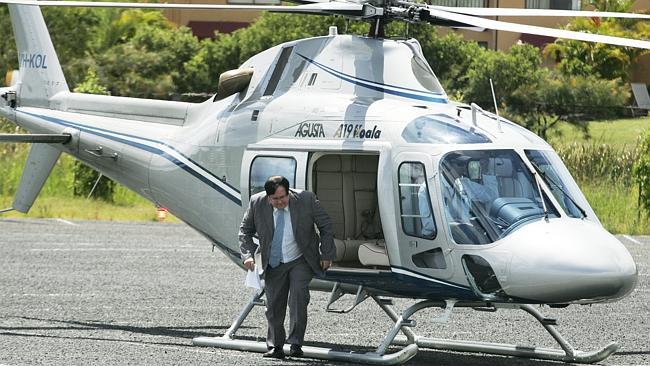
[
  {"x": 415, "y": 205},
  {"x": 264, "y": 167}
]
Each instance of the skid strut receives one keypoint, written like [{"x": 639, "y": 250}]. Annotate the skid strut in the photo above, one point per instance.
[
  {"x": 378, "y": 357},
  {"x": 566, "y": 354}
]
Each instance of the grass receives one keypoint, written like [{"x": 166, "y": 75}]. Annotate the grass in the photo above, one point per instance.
[
  {"x": 618, "y": 133},
  {"x": 56, "y": 199},
  {"x": 602, "y": 163},
  {"x": 616, "y": 206},
  {"x": 75, "y": 208}
]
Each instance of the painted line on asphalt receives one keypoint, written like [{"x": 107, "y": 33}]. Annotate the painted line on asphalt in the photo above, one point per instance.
[
  {"x": 632, "y": 239},
  {"x": 66, "y": 222},
  {"x": 111, "y": 250},
  {"x": 139, "y": 344}
]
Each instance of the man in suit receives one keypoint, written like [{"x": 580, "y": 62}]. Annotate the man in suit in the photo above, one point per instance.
[{"x": 290, "y": 253}]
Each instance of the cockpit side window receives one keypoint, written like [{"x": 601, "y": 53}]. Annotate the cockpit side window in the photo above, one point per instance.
[{"x": 415, "y": 204}]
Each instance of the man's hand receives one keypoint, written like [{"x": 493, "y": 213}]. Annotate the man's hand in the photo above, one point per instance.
[
  {"x": 249, "y": 264},
  {"x": 325, "y": 265}
]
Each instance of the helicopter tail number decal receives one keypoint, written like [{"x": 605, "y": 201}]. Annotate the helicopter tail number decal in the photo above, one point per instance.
[{"x": 41, "y": 76}]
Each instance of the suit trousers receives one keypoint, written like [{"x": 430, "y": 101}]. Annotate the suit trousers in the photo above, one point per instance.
[{"x": 287, "y": 282}]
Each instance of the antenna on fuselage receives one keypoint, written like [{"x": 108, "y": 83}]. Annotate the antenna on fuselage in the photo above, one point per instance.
[{"x": 496, "y": 109}]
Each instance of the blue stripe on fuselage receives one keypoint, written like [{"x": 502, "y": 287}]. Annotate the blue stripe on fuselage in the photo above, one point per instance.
[
  {"x": 153, "y": 150},
  {"x": 402, "y": 285},
  {"x": 364, "y": 83}
]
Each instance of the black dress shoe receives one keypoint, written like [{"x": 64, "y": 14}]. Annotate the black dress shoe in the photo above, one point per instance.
[
  {"x": 274, "y": 353},
  {"x": 296, "y": 351}
]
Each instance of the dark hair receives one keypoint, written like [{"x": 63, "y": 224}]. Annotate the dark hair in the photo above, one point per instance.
[{"x": 274, "y": 182}]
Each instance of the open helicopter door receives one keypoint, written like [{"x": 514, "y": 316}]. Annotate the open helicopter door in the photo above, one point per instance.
[
  {"x": 423, "y": 248},
  {"x": 346, "y": 186}
]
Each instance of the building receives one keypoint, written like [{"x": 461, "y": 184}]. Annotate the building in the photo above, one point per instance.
[{"x": 205, "y": 22}]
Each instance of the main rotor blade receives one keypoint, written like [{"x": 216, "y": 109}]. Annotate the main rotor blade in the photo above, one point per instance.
[
  {"x": 510, "y": 12},
  {"x": 342, "y": 8},
  {"x": 531, "y": 29}
]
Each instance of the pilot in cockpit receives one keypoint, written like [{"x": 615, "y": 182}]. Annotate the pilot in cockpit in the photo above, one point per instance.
[
  {"x": 473, "y": 183},
  {"x": 481, "y": 182}
]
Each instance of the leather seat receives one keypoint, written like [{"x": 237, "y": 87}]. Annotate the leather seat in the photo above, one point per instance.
[{"x": 373, "y": 254}]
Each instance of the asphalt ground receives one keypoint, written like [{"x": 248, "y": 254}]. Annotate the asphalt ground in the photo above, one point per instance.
[{"x": 86, "y": 293}]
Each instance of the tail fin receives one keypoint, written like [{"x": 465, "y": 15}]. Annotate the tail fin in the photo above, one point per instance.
[
  {"x": 39, "y": 164},
  {"x": 41, "y": 76}
]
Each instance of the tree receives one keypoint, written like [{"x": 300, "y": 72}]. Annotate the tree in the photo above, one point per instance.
[
  {"x": 8, "y": 55},
  {"x": 605, "y": 61},
  {"x": 142, "y": 55},
  {"x": 517, "y": 68},
  {"x": 556, "y": 98}
]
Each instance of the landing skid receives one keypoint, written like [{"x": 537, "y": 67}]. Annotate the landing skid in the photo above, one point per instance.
[
  {"x": 566, "y": 354},
  {"x": 378, "y": 357},
  {"x": 412, "y": 342}
]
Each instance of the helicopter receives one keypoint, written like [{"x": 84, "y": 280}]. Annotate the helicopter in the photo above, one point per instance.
[{"x": 432, "y": 200}]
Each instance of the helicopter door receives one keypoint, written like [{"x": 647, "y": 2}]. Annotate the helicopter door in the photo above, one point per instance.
[
  {"x": 259, "y": 165},
  {"x": 422, "y": 248}
]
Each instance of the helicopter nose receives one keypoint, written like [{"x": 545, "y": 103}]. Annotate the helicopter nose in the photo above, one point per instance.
[{"x": 567, "y": 260}]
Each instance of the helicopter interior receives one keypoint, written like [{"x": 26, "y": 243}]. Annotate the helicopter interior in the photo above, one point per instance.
[{"x": 346, "y": 186}]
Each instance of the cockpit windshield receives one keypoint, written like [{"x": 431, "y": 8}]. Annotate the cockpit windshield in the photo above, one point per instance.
[
  {"x": 488, "y": 193},
  {"x": 561, "y": 184}
]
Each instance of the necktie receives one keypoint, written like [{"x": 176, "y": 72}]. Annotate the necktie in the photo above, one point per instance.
[{"x": 276, "y": 243}]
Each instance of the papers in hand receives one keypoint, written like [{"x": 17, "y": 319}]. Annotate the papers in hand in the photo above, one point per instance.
[{"x": 253, "y": 279}]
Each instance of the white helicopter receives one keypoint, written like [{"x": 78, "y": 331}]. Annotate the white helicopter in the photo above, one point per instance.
[{"x": 430, "y": 199}]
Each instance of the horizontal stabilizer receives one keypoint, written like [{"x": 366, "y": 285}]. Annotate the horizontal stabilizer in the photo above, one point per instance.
[
  {"x": 36, "y": 138},
  {"x": 39, "y": 164}
]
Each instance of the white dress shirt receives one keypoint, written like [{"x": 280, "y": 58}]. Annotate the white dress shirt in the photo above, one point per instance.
[{"x": 290, "y": 251}]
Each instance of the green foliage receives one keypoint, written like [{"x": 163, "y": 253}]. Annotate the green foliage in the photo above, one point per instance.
[
  {"x": 8, "y": 55},
  {"x": 606, "y": 175},
  {"x": 642, "y": 172},
  {"x": 599, "y": 162},
  {"x": 519, "y": 67},
  {"x": 605, "y": 61},
  {"x": 140, "y": 54},
  {"x": 553, "y": 98},
  {"x": 615, "y": 205},
  {"x": 85, "y": 178},
  {"x": 91, "y": 85}
]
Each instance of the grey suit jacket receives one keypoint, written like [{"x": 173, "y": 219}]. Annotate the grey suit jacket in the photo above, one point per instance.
[{"x": 305, "y": 211}]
